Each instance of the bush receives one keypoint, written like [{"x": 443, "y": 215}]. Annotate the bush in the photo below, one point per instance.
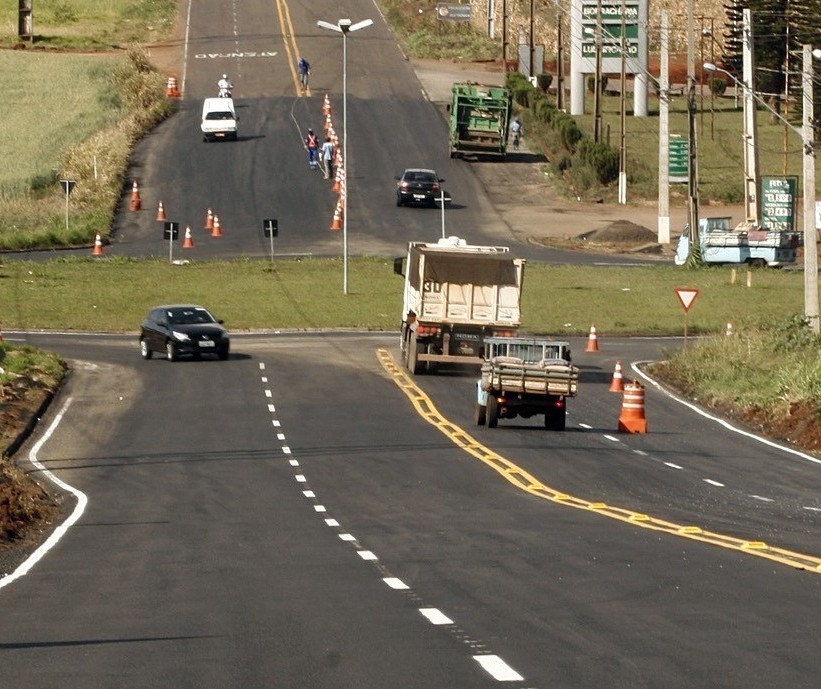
[
  {"x": 602, "y": 159},
  {"x": 543, "y": 81},
  {"x": 591, "y": 83},
  {"x": 718, "y": 85}
]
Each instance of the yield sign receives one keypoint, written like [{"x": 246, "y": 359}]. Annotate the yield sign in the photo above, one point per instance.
[{"x": 686, "y": 297}]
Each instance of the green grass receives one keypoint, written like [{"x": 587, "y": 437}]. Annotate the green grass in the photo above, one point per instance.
[
  {"x": 115, "y": 294},
  {"x": 53, "y": 103},
  {"x": 90, "y": 24}
]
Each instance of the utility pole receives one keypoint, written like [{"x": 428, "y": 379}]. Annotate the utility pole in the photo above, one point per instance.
[
  {"x": 532, "y": 70},
  {"x": 694, "y": 258},
  {"x": 623, "y": 112},
  {"x": 810, "y": 233},
  {"x": 504, "y": 36},
  {"x": 559, "y": 59},
  {"x": 752, "y": 173},
  {"x": 597, "y": 82},
  {"x": 664, "y": 133}
]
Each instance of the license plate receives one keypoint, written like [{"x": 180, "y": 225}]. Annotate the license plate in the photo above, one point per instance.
[
  {"x": 418, "y": 197},
  {"x": 207, "y": 343}
]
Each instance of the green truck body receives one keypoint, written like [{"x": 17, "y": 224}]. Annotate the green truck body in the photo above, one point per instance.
[{"x": 479, "y": 119}]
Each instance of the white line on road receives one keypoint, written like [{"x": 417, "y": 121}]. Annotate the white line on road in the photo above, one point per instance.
[
  {"x": 435, "y": 616},
  {"x": 60, "y": 531},
  {"x": 366, "y": 555},
  {"x": 498, "y": 668},
  {"x": 674, "y": 466},
  {"x": 713, "y": 483},
  {"x": 762, "y": 498},
  {"x": 396, "y": 583}
]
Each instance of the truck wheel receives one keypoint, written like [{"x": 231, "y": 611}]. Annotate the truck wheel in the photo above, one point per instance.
[
  {"x": 413, "y": 352},
  {"x": 492, "y": 412},
  {"x": 555, "y": 419},
  {"x": 479, "y": 414},
  {"x": 757, "y": 263}
]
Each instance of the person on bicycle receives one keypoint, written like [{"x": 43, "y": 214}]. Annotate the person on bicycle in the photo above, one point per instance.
[
  {"x": 304, "y": 69},
  {"x": 516, "y": 130}
]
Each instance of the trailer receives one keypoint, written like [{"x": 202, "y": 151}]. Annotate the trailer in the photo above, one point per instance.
[{"x": 524, "y": 376}]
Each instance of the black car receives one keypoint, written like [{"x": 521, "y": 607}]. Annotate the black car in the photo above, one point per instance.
[
  {"x": 418, "y": 185},
  {"x": 183, "y": 329}
]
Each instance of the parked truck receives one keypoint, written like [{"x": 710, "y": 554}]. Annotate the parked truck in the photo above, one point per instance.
[
  {"x": 479, "y": 119},
  {"x": 525, "y": 376},
  {"x": 455, "y": 296},
  {"x": 757, "y": 247}
]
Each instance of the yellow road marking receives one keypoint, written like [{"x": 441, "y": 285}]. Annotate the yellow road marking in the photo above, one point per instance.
[
  {"x": 289, "y": 39},
  {"x": 528, "y": 483}
]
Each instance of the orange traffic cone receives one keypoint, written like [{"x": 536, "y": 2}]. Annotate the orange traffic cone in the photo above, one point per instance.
[
  {"x": 617, "y": 384},
  {"x": 592, "y": 340},
  {"x": 189, "y": 240},
  {"x": 209, "y": 220},
  {"x": 216, "y": 231},
  {"x": 98, "y": 246},
  {"x": 632, "y": 419},
  {"x": 161, "y": 213},
  {"x": 136, "y": 201},
  {"x": 171, "y": 89},
  {"x": 326, "y": 105},
  {"x": 337, "y": 222}
]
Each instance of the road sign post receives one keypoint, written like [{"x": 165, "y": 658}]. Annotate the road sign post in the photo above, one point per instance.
[
  {"x": 686, "y": 297},
  {"x": 270, "y": 228},
  {"x": 68, "y": 186},
  {"x": 171, "y": 231}
]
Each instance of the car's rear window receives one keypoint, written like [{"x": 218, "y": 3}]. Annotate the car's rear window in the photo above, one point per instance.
[{"x": 220, "y": 116}]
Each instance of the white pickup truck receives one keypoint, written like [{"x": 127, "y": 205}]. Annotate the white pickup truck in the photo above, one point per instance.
[{"x": 525, "y": 376}]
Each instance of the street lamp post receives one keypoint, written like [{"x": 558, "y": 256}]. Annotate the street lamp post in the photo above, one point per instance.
[
  {"x": 808, "y": 178},
  {"x": 344, "y": 26}
]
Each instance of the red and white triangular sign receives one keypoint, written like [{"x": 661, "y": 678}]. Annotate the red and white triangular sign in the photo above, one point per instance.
[{"x": 686, "y": 296}]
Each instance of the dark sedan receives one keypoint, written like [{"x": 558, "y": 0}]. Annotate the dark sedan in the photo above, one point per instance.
[
  {"x": 418, "y": 185},
  {"x": 183, "y": 330}
]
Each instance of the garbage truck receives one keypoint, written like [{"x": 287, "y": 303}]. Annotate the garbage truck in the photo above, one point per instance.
[
  {"x": 455, "y": 296},
  {"x": 479, "y": 119}
]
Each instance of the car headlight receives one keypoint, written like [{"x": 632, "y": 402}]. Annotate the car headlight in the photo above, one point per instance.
[{"x": 182, "y": 337}]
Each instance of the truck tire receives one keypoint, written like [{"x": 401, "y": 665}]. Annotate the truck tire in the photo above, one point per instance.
[
  {"x": 413, "y": 353},
  {"x": 479, "y": 414},
  {"x": 492, "y": 412},
  {"x": 757, "y": 263},
  {"x": 555, "y": 419}
]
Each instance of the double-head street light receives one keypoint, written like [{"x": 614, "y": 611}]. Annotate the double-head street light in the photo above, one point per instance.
[
  {"x": 344, "y": 26},
  {"x": 807, "y": 134}
]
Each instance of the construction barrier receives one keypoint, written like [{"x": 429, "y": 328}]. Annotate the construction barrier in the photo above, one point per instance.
[
  {"x": 171, "y": 88},
  {"x": 633, "y": 419}
]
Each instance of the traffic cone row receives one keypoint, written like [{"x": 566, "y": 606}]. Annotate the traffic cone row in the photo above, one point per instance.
[{"x": 339, "y": 165}]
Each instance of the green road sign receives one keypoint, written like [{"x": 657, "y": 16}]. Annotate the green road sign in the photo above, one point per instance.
[
  {"x": 679, "y": 159},
  {"x": 778, "y": 203}
]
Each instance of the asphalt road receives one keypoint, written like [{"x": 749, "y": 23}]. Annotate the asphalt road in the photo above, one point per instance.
[
  {"x": 254, "y": 523},
  {"x": 391, "y": 125}
]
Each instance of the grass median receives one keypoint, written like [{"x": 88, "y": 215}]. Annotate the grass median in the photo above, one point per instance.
[{"x": 114, "y": 294}]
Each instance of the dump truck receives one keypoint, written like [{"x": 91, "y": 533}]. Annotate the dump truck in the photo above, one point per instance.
[
  {"x": 455, "y": 296},
  {"x": 525, "y": 376},
  {"x": 479, "y": 119},
  {"x": 746, "y": 243}
]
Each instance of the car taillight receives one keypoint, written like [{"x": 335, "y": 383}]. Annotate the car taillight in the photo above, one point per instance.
[{"x": 403, "y": 185}]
